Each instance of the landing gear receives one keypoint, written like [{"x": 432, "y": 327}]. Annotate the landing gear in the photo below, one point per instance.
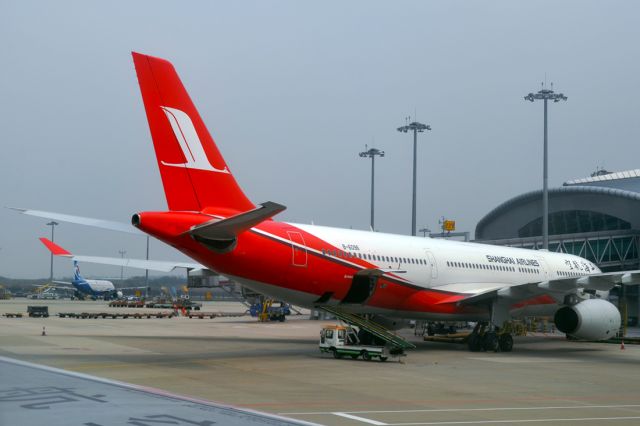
[
  {"x": 489, "y": 339},
  {"x": 474, "y": 342},
  {"x": 505, "y": 341}
]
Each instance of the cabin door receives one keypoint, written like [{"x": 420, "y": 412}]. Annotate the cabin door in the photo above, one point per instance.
[
  {"x": 298, "y": 249},
  {"x": 432, "y": 265}
]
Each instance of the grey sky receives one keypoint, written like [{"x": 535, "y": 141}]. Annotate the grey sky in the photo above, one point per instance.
[{"x": 292, "y": 91}]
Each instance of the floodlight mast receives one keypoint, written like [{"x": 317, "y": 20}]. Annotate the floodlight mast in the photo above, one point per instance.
[
  {"x": 545, "y": 95},
  {"x": 416, "y": 128},
  {"x": 52, "y": 224},
  {"x": 372, "y": 153}
]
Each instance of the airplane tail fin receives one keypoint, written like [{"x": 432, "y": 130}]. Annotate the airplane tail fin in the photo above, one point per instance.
[
  {"x": 76, "y": 272},
  {"x": 194, "y": 173},
  {"x": 54, "y": 248}
]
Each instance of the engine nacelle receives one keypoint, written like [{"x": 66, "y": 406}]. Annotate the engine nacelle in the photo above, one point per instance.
[{"x": 593, "y": 319}]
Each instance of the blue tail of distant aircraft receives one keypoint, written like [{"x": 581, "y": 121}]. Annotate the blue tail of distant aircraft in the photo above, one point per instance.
[{"x": 76, "y": 272}]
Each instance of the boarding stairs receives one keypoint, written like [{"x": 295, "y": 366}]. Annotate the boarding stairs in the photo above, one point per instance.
[{"x": 370, "y": 326}]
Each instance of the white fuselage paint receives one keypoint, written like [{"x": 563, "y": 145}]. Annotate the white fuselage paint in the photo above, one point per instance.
[
  {"x": 100, "y": 286},
  {"x": 475, "y": 277}
]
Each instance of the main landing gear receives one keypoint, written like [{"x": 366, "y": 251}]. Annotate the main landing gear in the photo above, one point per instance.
[{"x": 485, "y": 337}]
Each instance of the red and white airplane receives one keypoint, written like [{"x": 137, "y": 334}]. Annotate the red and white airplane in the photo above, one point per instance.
[
  {"x": 210, "y": 219},
  {"x": 385, "y": 276}
]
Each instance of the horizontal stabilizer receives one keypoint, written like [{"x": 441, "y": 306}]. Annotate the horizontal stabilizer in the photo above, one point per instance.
[
  {"x": 81, "y": 220},
  {"x": 229, "y": 228}
]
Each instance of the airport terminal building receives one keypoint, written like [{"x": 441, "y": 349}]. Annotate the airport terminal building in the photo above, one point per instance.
[{"x": 596, "y": 217}]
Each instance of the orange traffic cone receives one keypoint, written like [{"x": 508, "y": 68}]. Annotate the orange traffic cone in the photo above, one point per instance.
[{"x": 622, "y": 345}]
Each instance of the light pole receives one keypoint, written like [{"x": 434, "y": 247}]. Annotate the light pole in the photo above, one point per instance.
[
  {"x": 424, "y": 231},
  {"x": 416, "y": 128},
  {"x": 53, "y": 225},
  {"x": 122, "y": 253},
  {"x": 371, "y": 153},
  {"x": 545, "y": 95}
]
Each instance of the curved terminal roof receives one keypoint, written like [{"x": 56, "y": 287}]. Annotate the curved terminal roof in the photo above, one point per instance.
[
  {"x": 506, "y": 220},
  {"x": 628, "y": 174}
]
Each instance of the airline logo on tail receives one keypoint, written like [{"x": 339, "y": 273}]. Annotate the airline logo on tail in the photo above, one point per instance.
[
  {"x": 76, "y": 273},
  {"x": 189, "y": 142}
]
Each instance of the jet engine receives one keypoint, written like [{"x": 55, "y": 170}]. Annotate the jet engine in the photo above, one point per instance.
[{"x": 593, "y": 319}]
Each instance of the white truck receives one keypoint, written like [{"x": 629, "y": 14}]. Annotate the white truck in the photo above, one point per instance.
[{"x": 343, "y": 341}]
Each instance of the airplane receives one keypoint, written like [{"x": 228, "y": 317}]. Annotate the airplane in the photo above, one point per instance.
[
  {"x": 211, "y": 220},
  {"x": 383, "y": 278},
  {"x": 92, "y": 288}
]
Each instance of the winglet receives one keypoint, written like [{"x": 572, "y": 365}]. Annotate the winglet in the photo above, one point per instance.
[{"x": 54, "y": 248}]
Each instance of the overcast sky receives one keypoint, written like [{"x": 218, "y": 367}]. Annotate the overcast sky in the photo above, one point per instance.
[{"x": 291, "y": 92}]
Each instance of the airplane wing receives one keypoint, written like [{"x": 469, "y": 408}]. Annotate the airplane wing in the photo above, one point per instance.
[
  {"x": 80, "y": 220},
  {"x": 63, "y": 284},
  {"x": 559, "y": 287},
  {"x": 156, "y": 265}
]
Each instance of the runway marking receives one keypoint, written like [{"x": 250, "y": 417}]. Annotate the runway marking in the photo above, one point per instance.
[
  {"x": 360, "y": 419},
  {"x": 444, "y": 410},
  {"x": 480, "y": 422}
]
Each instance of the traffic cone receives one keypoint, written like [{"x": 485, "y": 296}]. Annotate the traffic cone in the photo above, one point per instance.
[
  {"x": 622, "y": 345},
  {"x": 44, "y": 333}
]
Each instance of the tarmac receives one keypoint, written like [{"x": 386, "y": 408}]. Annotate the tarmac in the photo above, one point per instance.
[{"x": 277, "y": 368}]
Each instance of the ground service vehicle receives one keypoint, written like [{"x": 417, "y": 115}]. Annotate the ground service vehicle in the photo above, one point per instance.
[
  {"x": 38, "y": 311},
  {"x": 343, "y": 341}
]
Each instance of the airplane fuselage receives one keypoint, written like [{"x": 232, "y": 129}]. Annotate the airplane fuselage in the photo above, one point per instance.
[
  {"x": 418, "y": 277},
  {"x": 94, "y": 288}
]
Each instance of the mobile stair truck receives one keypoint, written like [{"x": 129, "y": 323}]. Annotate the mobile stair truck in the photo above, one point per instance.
[{"x": 347, "y": 340}]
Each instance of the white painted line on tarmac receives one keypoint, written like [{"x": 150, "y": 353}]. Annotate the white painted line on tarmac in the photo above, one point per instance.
[
  {"x": 441, "y": 410},
  {"x": 523, "y": 360},
  {"x": 482, "y": 422},
  {"x": 360, "y": 419}
]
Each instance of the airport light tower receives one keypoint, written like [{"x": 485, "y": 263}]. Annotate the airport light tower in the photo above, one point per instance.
[
  {"x": 122, "y": 253},
  {"x": 372, "y": 153},
  {"x": 416, "y": 128},
  {"x": 545, "y": 95},
  {"x": 53, "y": 225}
]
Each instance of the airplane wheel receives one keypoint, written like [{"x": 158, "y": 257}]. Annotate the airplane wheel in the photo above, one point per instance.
[
  {"x": 490, "y": 342},
  {"x": 506, "y": 342},
  {"x": 474, "y": 343},
  {"x": 366, "y": 356}
]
